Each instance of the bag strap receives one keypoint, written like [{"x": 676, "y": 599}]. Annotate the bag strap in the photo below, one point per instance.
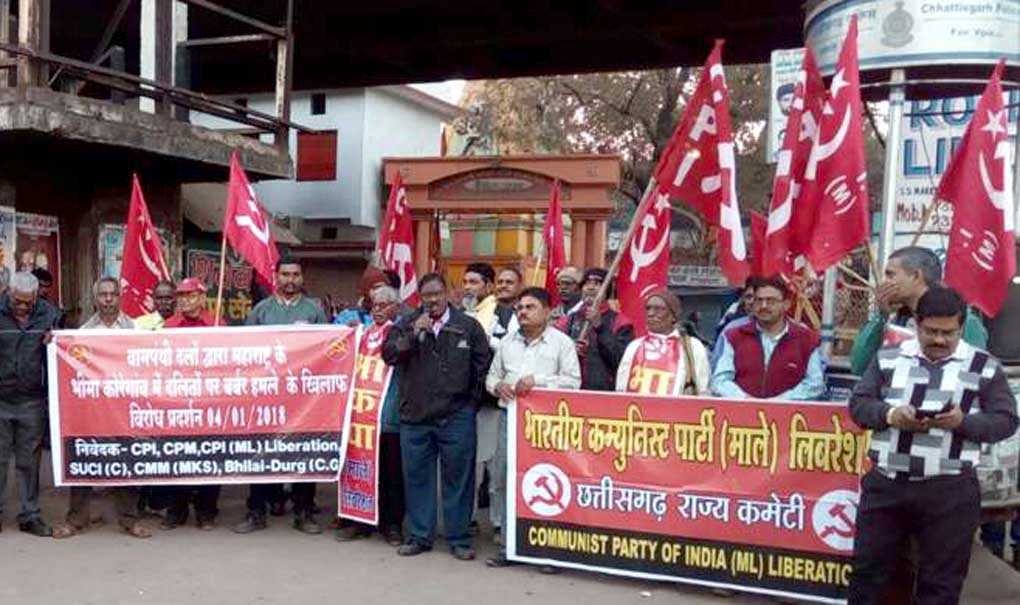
[{"x": 685, "y": 340}]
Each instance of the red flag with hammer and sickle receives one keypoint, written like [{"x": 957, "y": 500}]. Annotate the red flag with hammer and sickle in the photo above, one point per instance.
[
  {"x": 553, "y": 234},
  {"x": 142, "y": 266},
  {"x": 645, "y": 262},
  {"x": 396, "y": 241},
  {"x": 791, "y": 216},
  {"x": 699, "y": 166},
  {"x": 980, "y": 260},
  {"x": 836, "y": 177},
  {"x": 246, "y": 225}
]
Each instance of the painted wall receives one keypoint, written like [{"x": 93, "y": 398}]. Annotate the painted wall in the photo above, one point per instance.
[{"x": 370, "y": 124}]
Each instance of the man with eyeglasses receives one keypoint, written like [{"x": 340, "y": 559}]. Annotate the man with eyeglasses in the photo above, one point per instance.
[
  {"x": 931, "y": 403},
  {"x": 771, "y": 356}
]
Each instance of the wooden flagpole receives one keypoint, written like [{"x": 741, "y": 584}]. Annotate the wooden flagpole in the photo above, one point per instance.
[
  {"x": 646, "y": 200},
  {"x": 223, "y": 272}
]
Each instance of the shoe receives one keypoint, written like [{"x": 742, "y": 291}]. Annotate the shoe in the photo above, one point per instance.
[
  {"x": 463, "y": 553},
  {"x": 36, "y": 527},
  {"x": 277, "y": 509},
  {"x": 307, "y": 524},
  {"x": 355, "y": 531},
  {"x": 549, "y": 570},
  {"x": 498, "y": 561},
  {"x": 251, "y": 523},
  {"x": 393, "y": 537},
  {"x": 411, "y": 549},
  {"x": 207, "y": 525}
]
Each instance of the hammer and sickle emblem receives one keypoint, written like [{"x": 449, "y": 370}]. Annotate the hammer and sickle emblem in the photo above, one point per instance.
[
  {"x": 999, "y": 197},
  {"x": 337, "y": 349},
  {"x": 844, "y": 529},
  {"x": 821, "y": 151},
  {"x": 638, "y": 254},
  {"x": 254, "y": 221},
  {"x": 552, "y": 496},
  {"x": 79, "y": 352}
]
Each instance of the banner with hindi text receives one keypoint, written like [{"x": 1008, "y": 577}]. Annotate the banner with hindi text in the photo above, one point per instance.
[
  {"x": 750, "y": 495},
  {"x": 200, "y": 405}
]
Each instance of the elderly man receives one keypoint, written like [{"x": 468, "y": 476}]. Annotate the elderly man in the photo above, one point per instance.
[
  {"x": 164, "y": 298},
  {"x": 536, "y": 355},
  {"x": 568, "y": 288},
  {"x": 665, "y": 361},
  {"x": 191, "y": 313},
  {"x": 931, "y": 402},
  {"x": 385, "y": 304},
  {"x": 108, "y": 316},
  {"x": 601, "y": 349},
  {"x": 25, "y": 322},
  {"x": 287, "y": 306},
  {"x": 770, "y": 357},
  {"x": 442, "y": 355}
]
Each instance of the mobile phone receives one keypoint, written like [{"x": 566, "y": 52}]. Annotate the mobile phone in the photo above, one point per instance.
[{"x": 933, "y": 413}]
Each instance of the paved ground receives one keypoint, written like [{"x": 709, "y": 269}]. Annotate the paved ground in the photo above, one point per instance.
[
  {"x": 280, "y": 565},
  {"x": 105, "y": 567}
]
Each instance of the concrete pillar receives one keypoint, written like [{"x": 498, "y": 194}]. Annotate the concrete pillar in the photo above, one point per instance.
[
  {"x": 596, "y": 243},
  {"x": 162, "y": 23},
  {"x": 422, "y": 235},
  {"x": 578, "y": 242}
]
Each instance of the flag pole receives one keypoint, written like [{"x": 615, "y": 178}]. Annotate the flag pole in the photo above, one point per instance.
[
  {"x": 223, "y": 272},
  {"x": 624, "y": 244}
]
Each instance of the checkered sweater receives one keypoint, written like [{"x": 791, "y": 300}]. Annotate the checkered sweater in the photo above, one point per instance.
[{"x": 969, "y": 378}]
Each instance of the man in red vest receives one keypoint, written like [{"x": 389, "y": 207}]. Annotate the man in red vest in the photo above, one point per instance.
[{"x": 772, "y": 356}]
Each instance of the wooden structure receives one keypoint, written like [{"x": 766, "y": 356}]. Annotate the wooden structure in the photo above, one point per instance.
[{"x": 511, "y": 187}]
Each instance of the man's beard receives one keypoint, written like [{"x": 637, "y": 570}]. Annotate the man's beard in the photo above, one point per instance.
[{"x": 470, "y": 301}]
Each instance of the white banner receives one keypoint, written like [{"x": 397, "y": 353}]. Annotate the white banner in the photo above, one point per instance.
[
  {"x": 902, "y": 33},
  {"x": 932, "y": 129},
  {"x": 783, "y": 77}
]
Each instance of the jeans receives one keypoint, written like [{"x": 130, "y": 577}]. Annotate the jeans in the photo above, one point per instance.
[
  {"x": 941, "y": 512},
  {"x": 21, "y": 432},
  {"x": 391, "y": 483},
  {"x": 993, "y": 535},
  {"x": 497, "y": 484},
  {"x": 450, "y": 442}
]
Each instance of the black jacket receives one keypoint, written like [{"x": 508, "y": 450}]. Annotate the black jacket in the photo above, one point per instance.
[
  {"x": 22, "y": 352},
  {"x": 607, "y": 344},
  {"x": 438, "y": 376}
]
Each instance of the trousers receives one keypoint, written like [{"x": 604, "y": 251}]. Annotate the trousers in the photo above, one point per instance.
[
  {"x": 204, "y": 497},
  {"x": 125, "y": 499},
  {"x": 22, "y": 426},
  {"x": 941, "y": 513},
  {"x": 450, "y": 443},
  {"x": 261, "y": 495}
]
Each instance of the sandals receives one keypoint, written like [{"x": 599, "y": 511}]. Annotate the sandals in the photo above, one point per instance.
[
  {"x": 137, "y": 530},
  {"x": 65, "y": 530}
]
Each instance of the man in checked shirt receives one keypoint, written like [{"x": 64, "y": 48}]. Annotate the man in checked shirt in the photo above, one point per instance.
[{"x": 931, "y": 402}]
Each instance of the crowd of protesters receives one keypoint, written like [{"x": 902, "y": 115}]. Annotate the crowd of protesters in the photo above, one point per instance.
[{"x": 930, "y": 400}]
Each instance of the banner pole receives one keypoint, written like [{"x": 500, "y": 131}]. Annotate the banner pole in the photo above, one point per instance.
[
  {"x": 892, "y": 162},
  {"x": 624, "y": 244},
  {"x": 223, "y": 272}
]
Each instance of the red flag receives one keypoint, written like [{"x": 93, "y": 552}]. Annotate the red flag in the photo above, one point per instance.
[
  {"x": 142, "y": 266},
  {"x": 791, "y": 216},
  {"x": 396, "y": 242},
  {"x": 759, "y": 227},
  {"x": 553, "y": 237},
  {"x": 246, "y": 226},
  {"x": 699, "y": 165},
  {"x": 645, "y": 262},
  {"x": 980, "y": 260},
  {"x": 836, "y": 178}
]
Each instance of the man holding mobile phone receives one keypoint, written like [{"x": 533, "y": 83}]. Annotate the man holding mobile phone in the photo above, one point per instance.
[{"x": 931, "y": 402}]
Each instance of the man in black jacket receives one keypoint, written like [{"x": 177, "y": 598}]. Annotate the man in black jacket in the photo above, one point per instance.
[
  {"x": 601, "y": 350},
  {"x": 25, "y": 323},
  {"x": 443, "y": 356}
]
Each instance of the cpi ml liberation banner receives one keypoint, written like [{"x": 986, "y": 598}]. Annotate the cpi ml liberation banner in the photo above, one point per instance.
[
  {"x": 753, "y": 495},
  {"x": 200, "y": 405}
]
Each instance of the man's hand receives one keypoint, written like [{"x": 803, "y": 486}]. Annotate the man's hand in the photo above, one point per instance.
[
  {"x": 886, "y": 293},
  {"x": 524, "y": 385},
  {"x": 949, "y": 420},
  {"x": 424, "y": 322},
  {"x": 904, "y": 417},
  {"x": 47, "y": 337},
  {"x": 582, "y": 347},
  {"x": 505, "y": 391},
  {"x": 594, "y": 317}
]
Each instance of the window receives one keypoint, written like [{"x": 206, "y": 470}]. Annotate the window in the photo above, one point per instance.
[
  {"x": 328, "y": 233},
  {"x": 318, "y": 104},
  {"x": 316, "y": 156}
]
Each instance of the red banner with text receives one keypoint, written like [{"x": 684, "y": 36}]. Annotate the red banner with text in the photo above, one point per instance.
[
  {"x": 200, "y": 405},
  {"x": 745, "y": 494},
  {"x": 358, "y": 495}
]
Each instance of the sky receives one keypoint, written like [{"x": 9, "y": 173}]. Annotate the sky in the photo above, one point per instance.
[{"x": 449, "y": 91}]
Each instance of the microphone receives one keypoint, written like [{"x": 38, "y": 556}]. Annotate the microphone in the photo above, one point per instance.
[{"x": 419, "y": 332}]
